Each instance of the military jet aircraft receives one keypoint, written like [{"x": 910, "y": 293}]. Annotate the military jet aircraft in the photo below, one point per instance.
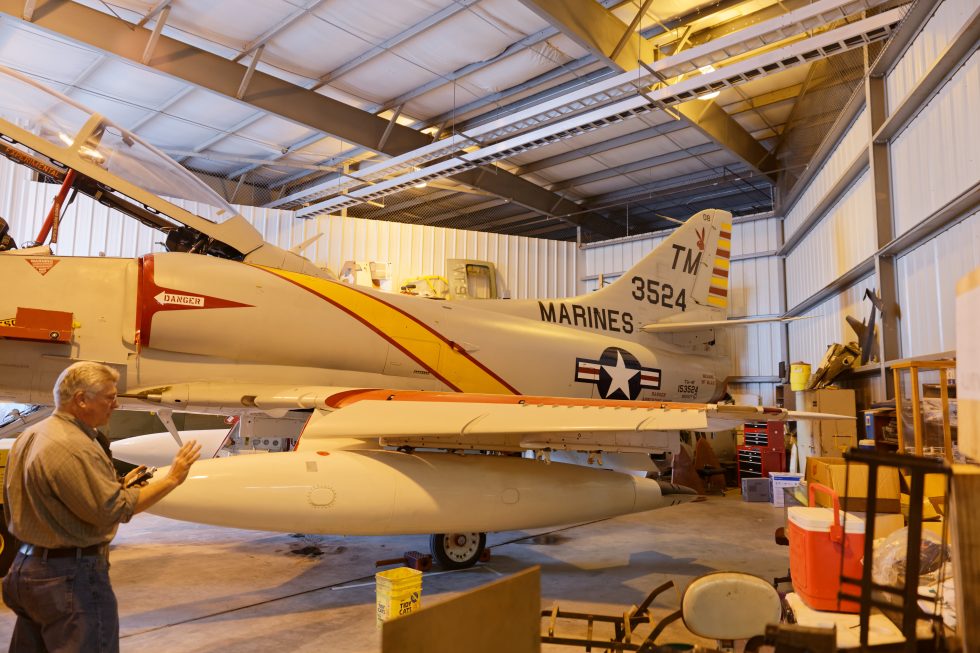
[{"x": 410, "y": 413}]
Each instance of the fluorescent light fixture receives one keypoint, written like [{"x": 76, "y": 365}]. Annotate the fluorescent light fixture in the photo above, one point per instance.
[{"x": 704, "y": 70}]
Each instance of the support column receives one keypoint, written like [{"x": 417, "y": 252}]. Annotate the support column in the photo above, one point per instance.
[{"x": 880, "y": 168}]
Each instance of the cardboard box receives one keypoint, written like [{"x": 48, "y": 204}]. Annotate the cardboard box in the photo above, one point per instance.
[
  {"x": 755, "y": 489},
  {"x": 781, "y": 480},
  {"x": 832, "y": 472}
]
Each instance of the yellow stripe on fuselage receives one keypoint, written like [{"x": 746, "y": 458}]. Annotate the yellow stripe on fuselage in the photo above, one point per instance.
[{"x": 419, "y": 341}]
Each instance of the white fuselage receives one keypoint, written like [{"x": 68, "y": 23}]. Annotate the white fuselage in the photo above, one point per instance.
[{"x": 182, "y": 318}]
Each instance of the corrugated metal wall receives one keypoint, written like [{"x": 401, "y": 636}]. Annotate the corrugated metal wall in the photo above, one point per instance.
[
  {"x": 527, "y": 267},
  {"x": 851, "y": 145},
  {"x": 766, "y": 392},
  {"x": 825, "y": 323},
  {"x": 932, "y": 161},
  {"x": 938, "y": 32},
  {"x": 844, "y": 237},
  {"x": 927, "y": 277}
]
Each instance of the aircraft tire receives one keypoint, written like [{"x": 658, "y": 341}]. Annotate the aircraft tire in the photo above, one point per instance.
[{"x": 457, "y": 550}]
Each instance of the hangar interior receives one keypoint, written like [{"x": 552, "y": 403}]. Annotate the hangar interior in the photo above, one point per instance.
[{"x": 561, "y": 141}]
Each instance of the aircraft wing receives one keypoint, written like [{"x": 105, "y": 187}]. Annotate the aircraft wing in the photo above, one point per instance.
[{"x": 474, "y": 421}]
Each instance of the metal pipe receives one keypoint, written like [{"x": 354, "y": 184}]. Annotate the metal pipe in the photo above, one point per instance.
[{"x": 55, "y": 211}]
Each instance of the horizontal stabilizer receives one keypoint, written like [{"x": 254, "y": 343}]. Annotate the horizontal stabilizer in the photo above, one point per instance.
[{"x": 680, "y": 327}]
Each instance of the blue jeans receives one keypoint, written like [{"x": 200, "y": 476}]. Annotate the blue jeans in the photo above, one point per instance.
[{"x": 63, "y": 605}]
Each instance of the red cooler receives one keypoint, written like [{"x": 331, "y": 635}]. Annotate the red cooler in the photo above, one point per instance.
[{"x": 817, "y": 542}]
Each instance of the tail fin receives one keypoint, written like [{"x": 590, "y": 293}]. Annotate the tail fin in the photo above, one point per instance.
[{"x": 684, "y": 279}]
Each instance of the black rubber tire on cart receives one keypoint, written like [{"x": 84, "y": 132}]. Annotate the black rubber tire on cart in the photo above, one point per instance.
[{"x": 457, "y": 550}]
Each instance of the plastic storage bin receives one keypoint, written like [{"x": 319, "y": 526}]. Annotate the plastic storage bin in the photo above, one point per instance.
[{"x": 817, "y": 544}]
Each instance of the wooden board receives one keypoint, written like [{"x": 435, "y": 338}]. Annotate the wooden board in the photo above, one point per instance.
[
  {"x": 965, "y": 529},
  {"x": 504, "y": 615}
]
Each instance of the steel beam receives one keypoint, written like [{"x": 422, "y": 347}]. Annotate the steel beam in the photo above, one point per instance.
[
  {"x": 533, "y": 197},
  {"x": 594, "y": 28},
  {"x": 210, "y": 71},
  {"x": 879, "y": 156},
  {"x": 598, "y": 30},
  {"x": 715, "y": 123},
  {"x": 604, "y": 146}
]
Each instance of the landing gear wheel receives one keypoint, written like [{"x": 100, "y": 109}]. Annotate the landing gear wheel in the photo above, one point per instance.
[{"x": 457, "y": 550}]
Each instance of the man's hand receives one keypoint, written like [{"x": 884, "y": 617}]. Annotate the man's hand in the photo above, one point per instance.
[
  {"x": 153, "y": 492},
  {"x": 188, "y": 453}
]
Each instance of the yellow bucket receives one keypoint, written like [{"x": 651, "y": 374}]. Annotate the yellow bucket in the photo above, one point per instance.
[
  {"x": 799, "y": 374},
  {"x": 399, "y": 592}
]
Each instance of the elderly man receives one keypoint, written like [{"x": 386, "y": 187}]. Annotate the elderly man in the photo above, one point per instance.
[{"x": 63, "y": 499}]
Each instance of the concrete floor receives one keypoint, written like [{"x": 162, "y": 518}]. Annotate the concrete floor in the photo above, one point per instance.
[{"x": 191, "y": 588}]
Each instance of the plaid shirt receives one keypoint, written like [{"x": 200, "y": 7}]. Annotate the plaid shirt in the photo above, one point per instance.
[{"x": 61, "y": 489}]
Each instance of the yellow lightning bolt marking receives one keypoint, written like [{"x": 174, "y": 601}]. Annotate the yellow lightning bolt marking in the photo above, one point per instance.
[{"x": 413, "y": 337}]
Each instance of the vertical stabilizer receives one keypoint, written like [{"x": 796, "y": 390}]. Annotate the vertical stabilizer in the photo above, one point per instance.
[{"x": 684, "y": 279}]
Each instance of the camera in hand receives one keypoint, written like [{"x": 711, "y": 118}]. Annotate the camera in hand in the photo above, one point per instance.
[{"x": 146, "y": 475}]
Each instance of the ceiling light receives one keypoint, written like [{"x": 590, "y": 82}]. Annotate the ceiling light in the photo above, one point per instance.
[
  {"x": 704, "y": 70},
  {"x": 421, "y": 184}
]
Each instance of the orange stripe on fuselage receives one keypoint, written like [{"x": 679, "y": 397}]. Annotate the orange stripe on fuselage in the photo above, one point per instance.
[
  {"x": 447, "y": 361},
  {"x": 348, "y": 397}
]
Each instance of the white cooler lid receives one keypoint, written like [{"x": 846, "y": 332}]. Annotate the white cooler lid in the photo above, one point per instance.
[{"x": 820, "y": 520}]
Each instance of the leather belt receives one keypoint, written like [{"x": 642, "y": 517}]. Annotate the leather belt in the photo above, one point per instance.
[{"x": 66, "y": 552}]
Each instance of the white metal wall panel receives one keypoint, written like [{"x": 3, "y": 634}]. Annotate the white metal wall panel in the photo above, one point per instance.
[
  {"x": 754, "y": 287},
  {"x": 809, "y": 339},
  {"x": 841, "y": 240},
  {"x": 935, "y": 158},
  {"x": 756, "y": 350},
  {"x": 765, "y": 391},
  {"x": 528, "y": 267},
  {"x": 927, "y": 276},
  {"x": 938, "y": 32},
  {"x": 852, "y": 144}
]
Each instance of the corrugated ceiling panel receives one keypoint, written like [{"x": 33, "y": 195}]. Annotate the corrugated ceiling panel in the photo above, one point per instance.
[
  {"x": 841, "y": 240},
  {"x": 950, "y": 16},
  {"x": 931, "y": 162},
  {"x": 852, "y": 144},
  {"x": 927, "y": 276},
  {"x": 809, "y": 339}
]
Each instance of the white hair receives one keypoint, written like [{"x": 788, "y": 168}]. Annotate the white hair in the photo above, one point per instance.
[{"x": 86, "y": 376}]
